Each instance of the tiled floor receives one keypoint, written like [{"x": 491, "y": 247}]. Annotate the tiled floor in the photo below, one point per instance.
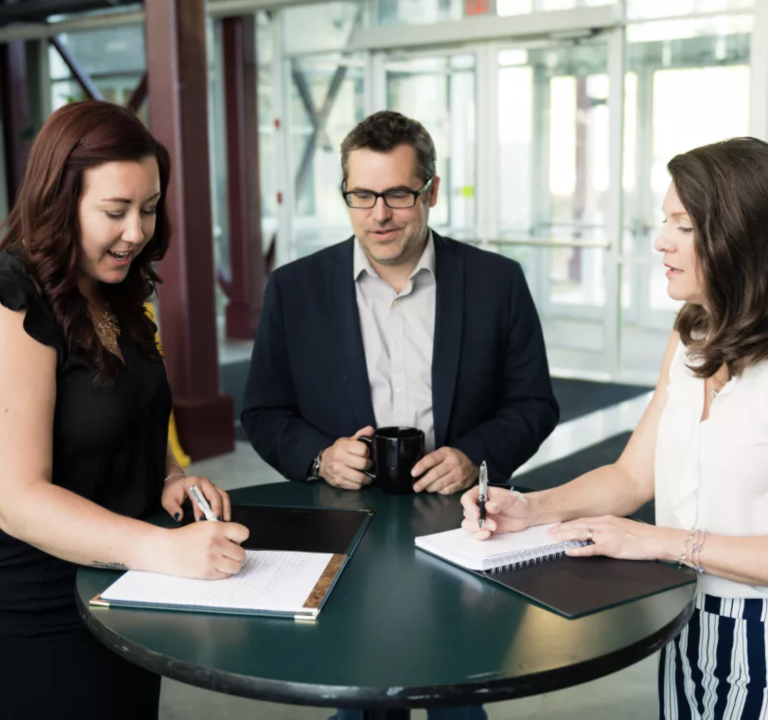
[{"x": 629, "y": 694}]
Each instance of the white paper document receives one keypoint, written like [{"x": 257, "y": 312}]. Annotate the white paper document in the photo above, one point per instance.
[{"x": 270, "y": 581}]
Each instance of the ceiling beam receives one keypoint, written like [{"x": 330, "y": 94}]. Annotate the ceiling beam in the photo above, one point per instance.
[{"x": 34, "y": 11}]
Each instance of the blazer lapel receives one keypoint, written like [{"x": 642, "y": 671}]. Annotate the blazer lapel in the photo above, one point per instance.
[
  {"x": 345, "y": 320},
  {"x": 449, "y": 320}
]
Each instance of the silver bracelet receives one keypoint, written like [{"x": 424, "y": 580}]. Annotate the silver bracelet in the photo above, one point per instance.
[
  {"x": 683, "y": 555},
  {"x": 696, "y": 549},
  {"x": 175, "y": 475}
]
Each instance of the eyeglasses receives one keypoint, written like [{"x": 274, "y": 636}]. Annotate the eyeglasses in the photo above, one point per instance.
[{"x": 395, "y": 199}]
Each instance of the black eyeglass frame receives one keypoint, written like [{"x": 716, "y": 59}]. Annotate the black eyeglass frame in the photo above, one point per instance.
[{"x": 416, "y": 194}]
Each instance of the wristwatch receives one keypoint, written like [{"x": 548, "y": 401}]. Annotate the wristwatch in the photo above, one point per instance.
[{"x": 314, "y": 469}]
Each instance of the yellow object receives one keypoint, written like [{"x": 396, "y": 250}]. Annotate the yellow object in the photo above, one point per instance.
[{"x": 173, "y": 436}]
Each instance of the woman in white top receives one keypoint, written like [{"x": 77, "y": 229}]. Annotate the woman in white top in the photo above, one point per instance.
[{"x": 700, "y": 449}]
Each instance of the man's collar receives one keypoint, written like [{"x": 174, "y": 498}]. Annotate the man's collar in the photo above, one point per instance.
[{"x": 361, "y": 263}]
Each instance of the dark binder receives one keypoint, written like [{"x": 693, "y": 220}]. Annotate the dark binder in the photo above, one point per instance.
[
  {"x": 574, "y": 587},
  {"x": 322, "y": 530}
]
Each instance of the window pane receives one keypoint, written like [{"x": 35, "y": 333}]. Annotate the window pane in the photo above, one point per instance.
[
  {"x": 102, "y": 52},
  {"x": 569, "y": 4},
  {"x": 515, "y": 98},
  {"x": 267, "y": 145},
  {"x": 318, "y": 28},
  {"x": 417, "y": 12},
  {"x": 439, "y": 92},
  {"x": 637, "y": 9},
  {"x": 553, "y": 174},
  {"x": 337, "y": 83}
]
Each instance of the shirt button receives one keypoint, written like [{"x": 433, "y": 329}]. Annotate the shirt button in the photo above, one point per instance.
[
  {"x": 396, "y": 303},
  {"x": 399, "y": 390}
]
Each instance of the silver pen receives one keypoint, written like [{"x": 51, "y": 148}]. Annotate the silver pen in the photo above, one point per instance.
[
  {"x": 202, "y": 503},
  {"x": 482, "y": 495}
]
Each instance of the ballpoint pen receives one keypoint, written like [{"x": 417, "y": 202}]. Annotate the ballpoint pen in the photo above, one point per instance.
[
  {"x": 483, "y": 492},
  {"x": 202, "y": 503}
]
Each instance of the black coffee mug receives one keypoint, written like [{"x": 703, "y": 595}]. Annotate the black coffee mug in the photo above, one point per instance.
[{"x": 394, "y": 452}]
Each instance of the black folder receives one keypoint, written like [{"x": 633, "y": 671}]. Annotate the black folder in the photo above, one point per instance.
[
  {"x": 297, "y": 529},
  {"x": 574, "y": 587}
]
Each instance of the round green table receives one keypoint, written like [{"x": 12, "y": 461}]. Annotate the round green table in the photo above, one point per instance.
[{"x": 400, "y": 630}]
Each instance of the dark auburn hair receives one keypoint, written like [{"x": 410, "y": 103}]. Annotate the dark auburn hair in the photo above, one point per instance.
[
  {"x": 384, "y": 131},
  {"x": 724, "y": 189},
  {"x": 43, "y": 224}
]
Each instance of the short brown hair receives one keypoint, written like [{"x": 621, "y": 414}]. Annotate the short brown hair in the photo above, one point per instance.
[
  {"x": 384, "y": 131},
  {"x": 724, "y": 189}
]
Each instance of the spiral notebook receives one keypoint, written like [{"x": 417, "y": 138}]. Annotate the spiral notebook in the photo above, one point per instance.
[
  {"x": 499, "y": 552},
  {"x": 530, "y": 563}
]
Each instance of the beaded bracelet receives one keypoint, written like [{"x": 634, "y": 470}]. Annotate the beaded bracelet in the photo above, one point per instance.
[
  {"x": 696, "y": 548},
  {"x": 696, "y": 537},
  {"x": 684, "y": 554}
]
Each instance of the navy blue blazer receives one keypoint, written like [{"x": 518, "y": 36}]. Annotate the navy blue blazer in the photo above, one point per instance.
[{"x": 308, "y": 381}]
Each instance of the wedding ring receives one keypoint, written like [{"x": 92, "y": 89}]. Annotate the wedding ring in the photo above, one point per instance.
[{"x": 589, "y": 534}]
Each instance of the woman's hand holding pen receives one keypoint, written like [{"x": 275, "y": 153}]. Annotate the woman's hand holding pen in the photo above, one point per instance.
[
  {"x": 505, "y": 512},
  {"x": 175, "y": 492},
  {"x": 205, "y": 550}
]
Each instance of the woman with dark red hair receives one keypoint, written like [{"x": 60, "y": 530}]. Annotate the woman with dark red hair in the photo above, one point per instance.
[{"x": 84, "y": 410}]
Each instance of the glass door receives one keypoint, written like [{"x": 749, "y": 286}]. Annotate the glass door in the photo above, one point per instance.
[{"x": 553, "y": 193}]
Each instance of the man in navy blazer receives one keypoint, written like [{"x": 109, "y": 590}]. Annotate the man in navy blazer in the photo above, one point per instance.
[{"x": 397, "y": 326}]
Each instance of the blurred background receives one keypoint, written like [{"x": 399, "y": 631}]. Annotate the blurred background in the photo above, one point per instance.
[{"x": 553, "y": 121}]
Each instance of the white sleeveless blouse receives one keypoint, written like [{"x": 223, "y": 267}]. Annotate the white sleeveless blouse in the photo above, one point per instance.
[{"x": 713, "y": 475}]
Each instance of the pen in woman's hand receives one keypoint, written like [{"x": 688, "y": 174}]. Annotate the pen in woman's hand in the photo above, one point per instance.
[
  {"x": 202, "y": 503},
  {"x": 482, "y": 495}
]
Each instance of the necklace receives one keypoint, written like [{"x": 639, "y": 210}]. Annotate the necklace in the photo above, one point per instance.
[{"x": 107, "y": 329}]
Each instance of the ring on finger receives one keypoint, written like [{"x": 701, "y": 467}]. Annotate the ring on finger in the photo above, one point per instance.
[{"x": 589, "y": 535}]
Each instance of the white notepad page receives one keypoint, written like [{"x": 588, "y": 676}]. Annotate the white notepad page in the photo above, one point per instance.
[
  {"x": 269, "y": 581},
  {"x": 460, "y": 548}
]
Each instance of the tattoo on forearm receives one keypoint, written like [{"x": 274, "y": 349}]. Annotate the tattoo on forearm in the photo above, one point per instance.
[{"x": 108, "y": 565}]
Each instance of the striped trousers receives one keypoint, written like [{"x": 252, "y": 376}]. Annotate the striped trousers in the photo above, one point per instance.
[{"x": 717, "y": 668}]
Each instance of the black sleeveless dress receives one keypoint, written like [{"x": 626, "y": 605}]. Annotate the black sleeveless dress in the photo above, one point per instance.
[{"x": 109, "y": 445}]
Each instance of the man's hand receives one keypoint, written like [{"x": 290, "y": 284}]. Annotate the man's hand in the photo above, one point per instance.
[
  {"x": 341, "y": 465},
  {"x": 450, "y": 471}
]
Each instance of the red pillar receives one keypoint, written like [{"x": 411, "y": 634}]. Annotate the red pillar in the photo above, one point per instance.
[
  {"x": 246, "y": 289},
  {"x": 16, "y": 115},
  {"x": 178, "y": 113}
]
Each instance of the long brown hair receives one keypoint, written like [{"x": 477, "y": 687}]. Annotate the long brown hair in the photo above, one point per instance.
[
  {"x": 43, "y": 224},
  {"x": 724, "y": 189}
]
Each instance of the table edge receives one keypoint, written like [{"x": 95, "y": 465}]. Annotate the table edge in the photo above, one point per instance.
[{"x": 293, "y": 693}]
